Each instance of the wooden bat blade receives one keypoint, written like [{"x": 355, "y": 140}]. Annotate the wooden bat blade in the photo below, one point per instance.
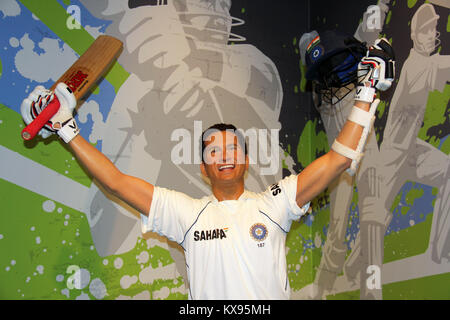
[{"x": 82, "y": 76}]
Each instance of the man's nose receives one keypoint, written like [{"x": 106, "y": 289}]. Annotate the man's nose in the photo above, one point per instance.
[{"x": 227, "y": 155}]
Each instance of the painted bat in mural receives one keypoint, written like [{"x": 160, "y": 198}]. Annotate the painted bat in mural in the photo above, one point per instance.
[{"x": 80, "y": 77}]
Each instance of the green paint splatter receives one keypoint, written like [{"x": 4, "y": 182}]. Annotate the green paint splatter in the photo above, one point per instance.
[
  {"x": 42, "y": 238},
  {"x": 434, "y": 191},
  {"x": 426, "y": 288},
  {"x": 411, "y": 3},
  {"x": 380, "y": 109},
  {"x": 54, "y": 16},
  {"x": 355, "y": 199},
  {"x": 287, "y": 154},
  {"x": 435, "y": 115},
  {"x": 388, "y": 17},
  {"x": 302, "y": 264},
  {"x": 96, "y": 90},
  {"x": 408, "y": 242},
  {"x": 448, "y": 23},
  {"x": 396, "y": 201},
  {"x": 303, "y": 80},
  {"x": 311, "y": 143},
  {"x": 412, "y": 195},
  {"x": 404, "y": 210},
  {"x": 49, "y": 152}
]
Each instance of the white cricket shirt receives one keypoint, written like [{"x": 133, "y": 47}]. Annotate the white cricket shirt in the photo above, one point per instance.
[{"x": 234, "y": 249}]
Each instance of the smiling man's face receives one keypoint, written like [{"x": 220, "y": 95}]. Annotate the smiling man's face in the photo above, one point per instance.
[{"x": 224, "y": 160}]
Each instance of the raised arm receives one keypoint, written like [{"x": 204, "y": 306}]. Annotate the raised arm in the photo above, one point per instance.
[
  {"x": 322, "y": 171},
  {"x": 135, "y": 192},
  {"x": 377, "y": 67}
]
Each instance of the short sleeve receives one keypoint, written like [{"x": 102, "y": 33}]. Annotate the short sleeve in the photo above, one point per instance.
[
  {"x": 290, "y": 185},
  {"x": 280, "y": 202},
  {"x": 170, "y": 214}
]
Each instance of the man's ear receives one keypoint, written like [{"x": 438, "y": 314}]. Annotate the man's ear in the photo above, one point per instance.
[
  {"x": 205, "y": 177},
  {"x": 203, "y": 169}
]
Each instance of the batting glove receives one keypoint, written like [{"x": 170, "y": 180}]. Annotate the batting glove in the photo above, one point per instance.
[
  {"x": 62, "y": 123},
  {"x": 377, "y": 70}
]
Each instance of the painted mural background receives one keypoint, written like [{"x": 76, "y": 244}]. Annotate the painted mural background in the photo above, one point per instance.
[{"x": 187, "y": 62}]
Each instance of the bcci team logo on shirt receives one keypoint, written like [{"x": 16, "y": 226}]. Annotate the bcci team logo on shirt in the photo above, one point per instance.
[{"x": 259, "y": 232}]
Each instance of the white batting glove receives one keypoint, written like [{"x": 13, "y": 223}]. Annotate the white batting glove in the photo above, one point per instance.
[
  {"x": 377, "y": 69},
  {"x": 62, "y": 122}
]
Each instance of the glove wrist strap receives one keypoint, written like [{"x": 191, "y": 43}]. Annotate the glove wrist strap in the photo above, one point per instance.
[
  {"x": 365, "y": 93},
  {"x": 69, "y": 130}
]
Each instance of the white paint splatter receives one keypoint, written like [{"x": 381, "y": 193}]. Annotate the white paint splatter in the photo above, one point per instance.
[
  {"x": 10, "y": 8},
  {"x": 162, "y": 294},
  {"x": 142, "y": 257},
  {"x": 65, "y": 292},
  {"x": 48, "y": 206},
  {"x": 83, "y": 296},
  {"x": 148, "y": 275},
  {"x": 34, "y": 66},
  {"x": 92, "y": 108},
  {"x": 118, "y": 263},
  {"x": 144, "y": 295},
  {"x": 40, "y": 269},
  {"x": 127, "y": 281},
  {"x": 317, "y": 240},
  {"x": 97, "y": 288},
  {"x": 14, "y": 42}
]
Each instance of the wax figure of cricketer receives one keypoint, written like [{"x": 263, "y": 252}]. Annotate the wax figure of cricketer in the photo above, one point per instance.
[{"x": 234, "y": 239}]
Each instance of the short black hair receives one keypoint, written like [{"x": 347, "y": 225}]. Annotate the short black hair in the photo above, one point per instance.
[{"x": 222, "y": 127}]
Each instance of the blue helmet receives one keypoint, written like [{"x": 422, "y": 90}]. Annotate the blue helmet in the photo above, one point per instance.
[{"x": 331, "y": 59}]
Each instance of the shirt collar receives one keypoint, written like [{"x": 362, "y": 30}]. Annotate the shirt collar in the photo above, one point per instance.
[{"x": 244, "y": 196}]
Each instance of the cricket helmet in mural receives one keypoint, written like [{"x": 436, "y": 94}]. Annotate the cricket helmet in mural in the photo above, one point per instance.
[
  {"x": 331, "y": 60},
  {"x": 423, "y": 29},
  {"x": 211, "y": 16}
]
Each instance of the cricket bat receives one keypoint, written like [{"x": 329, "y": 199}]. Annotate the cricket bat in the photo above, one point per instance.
[{"x": 82, "y": 76}]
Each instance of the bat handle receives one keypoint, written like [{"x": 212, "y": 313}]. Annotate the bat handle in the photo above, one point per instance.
[{"x": 33, "y": 128}]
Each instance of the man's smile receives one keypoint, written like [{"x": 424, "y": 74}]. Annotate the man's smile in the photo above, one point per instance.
[{"x": 226, "y": 167}]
